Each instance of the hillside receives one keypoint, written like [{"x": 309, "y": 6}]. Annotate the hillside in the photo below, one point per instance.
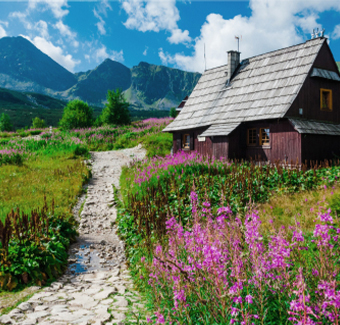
[
  {"x": 25, "y": 68},
  {"x": 23, "y": 107},
  {"x": 92, "y": 85},
  {"x": 159, "y": 87},
  {"x": 338, "y": 63}
]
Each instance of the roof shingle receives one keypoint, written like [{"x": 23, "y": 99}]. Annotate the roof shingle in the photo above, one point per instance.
[{"x": 264, "y": 87}]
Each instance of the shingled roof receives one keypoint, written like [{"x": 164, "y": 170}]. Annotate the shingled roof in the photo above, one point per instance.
[{"x": 264, "y": 87}]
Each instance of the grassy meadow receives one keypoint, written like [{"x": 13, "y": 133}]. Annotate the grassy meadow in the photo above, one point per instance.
[
  {"x": 207, "y": 241},
  {"x": 42, "y": 174},
  {"x": 218, "y": 242}
]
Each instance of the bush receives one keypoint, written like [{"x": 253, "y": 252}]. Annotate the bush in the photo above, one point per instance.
[
  {"x": 116, "y": 110},
  {"x": 77, "y": 114},
  {"x": 173, "y": 112},
  {"x": 38, "y": 123},
  {"x": 5, "y": 123}
]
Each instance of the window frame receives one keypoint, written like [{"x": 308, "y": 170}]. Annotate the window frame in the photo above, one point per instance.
[
  {"x": 184, "y": 141},
  {"x": 330, "y": 93},
  {"x": 262, "y": 144},
  {"x": 248, "y": 142}
]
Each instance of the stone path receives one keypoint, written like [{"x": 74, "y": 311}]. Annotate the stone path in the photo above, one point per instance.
[{"x": 96, "y": 288}]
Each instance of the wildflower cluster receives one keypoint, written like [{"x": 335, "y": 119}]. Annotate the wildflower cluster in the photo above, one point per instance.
[{"x": 223, "y": 270}]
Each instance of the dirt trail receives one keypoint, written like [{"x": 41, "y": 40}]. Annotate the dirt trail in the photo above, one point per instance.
[{"x": 96, "y": 288}]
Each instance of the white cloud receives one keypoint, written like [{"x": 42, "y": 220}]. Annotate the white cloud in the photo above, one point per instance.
[
  {"x": 273, "y": 24},
  {"x": 2, "y": 29},
  {"x": 101, "y": 54},
  {"x": 145, "y": 52},
  {"x": 336, "y": 32},
  {"x": 155, "y": 15},
  {"x": 178, "y": 36},
  {"x": 65, "y": 31},
  {"x": 99, "y": 11},
  {"x": 42, "y": 28},
  {"x": 56, "y": 6},
  {"x": 55, "y": 52}
]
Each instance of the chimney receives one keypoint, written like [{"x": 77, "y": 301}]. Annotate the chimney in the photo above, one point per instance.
[{"x": 233, "y": 62}]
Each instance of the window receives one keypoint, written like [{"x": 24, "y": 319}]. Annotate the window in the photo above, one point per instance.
[
  {"x": 326, "y": 102},
  {"x": 251, "y": 137},
  {"x": 186, "y": 141},
  {"x": 264, "y": 137}
]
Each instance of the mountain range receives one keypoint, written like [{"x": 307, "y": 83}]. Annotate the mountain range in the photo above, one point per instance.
[{"x": 25, "y": 68}]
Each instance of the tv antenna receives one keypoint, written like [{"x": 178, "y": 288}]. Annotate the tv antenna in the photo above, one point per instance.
[
  {"x": 316, "y": 33},
  {"x": 205, "y": 60},
  {"x": 238, "y": 42}
]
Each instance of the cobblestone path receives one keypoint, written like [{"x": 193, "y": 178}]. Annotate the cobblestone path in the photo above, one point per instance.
[{"x": 96, "y": 289}]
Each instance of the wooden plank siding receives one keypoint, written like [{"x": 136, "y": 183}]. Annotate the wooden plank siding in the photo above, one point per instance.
[
  {"x": 285, "y": 142},
  {"x": 309, "y": 96}
]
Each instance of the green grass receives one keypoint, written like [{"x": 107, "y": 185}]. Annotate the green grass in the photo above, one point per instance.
[
  {"x": 57, "y": 177},
  {"x": 286, "y": 209}
]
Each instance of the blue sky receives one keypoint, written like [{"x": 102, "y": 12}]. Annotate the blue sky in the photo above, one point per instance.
[{"x": 79, "y": 35}]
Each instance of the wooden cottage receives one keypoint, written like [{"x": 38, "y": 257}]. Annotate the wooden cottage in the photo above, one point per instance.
[{"x": 281, "y": 105}]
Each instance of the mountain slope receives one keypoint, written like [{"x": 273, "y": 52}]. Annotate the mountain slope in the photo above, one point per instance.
[
  {"x": 23, "y": 107},
  {"x": 159, "y": 87},
  {"x": 25, "y": 68},
  {"x": 92, "y": 85},
  {"x": 20, "y": 60},
  {"x": 338, "y": 63}
]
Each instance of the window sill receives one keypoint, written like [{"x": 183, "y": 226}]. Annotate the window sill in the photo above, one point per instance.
[{"x": 260, "y": 147}]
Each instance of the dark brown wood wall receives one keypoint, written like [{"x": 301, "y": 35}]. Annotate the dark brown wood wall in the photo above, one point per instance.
[
  {"x": 285, "y": 142},
  {"x": 319, "y": 147},
  {"x": 203, "y": 147},
  {"x": 309, "y": 95},
  {"x": 220, "y": 147}
]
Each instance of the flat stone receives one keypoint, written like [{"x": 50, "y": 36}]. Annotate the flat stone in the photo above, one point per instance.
[
  {"x": 104, "y": 294},
  {"x": 29, "y": 321},
  {"x": 80, "y": 299},
  {"x": 5, "y": 319},
  {"x": 40, "y": 308},
  {"x": 92, "y": 291},
  {"x": 121, "y": 289},
  {"x": 24, "y": 306},
  {"x": 121, "y": 302},
  {"x": 106, "y": 301},
  {"x": 38, "y": 314},
  {"x": 113, "y": 279},
  {"x": 102, "y": 315},
  {"x": 50, "y": 299},
  {"x": 118, "y": 316}
]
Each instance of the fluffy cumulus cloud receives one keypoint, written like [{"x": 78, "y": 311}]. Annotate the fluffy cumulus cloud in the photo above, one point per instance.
[
  {"x": 102, "y": 53},
  {"x": 273, "y": 24},
  {"x": 155, "y": 15},
  {"x": 55, "y": 52},
  {"x": 99, "y": 12}
]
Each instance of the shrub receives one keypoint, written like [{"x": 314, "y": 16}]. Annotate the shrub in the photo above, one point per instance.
[
  {"x": 5, "y": 123},
  {"x": 116, "y": 110},
  {"x": 38, "y": 123},
  {"x": 77, "y": 114},
  {"x": 173, "y": 112}
]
